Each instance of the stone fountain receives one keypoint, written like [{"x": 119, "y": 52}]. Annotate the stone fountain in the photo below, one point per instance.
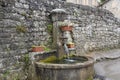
[{"x": 66, "y": 67}]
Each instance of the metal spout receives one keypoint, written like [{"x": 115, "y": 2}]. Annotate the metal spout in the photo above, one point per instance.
[{"x": 66, "y": 49}]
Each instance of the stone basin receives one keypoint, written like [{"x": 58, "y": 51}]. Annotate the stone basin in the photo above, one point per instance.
[{"x": 74, "y": 71}]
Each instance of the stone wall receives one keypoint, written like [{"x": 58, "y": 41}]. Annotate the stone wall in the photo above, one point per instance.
[
  {"x": 23, "y": 23},
  {"x": 96, "y": 30}
]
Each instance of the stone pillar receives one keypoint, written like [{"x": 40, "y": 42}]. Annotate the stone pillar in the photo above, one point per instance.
[{"x": 58, "y": 15}]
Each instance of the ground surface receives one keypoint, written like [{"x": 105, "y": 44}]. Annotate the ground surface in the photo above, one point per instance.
[{"x": 108, "y": 67}]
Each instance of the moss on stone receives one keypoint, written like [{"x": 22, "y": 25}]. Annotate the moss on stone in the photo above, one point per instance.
[
  {"x": 47, "y": 49},
  {"x": 49, "y": 59},
  {"x": 54, "y": 59},
  {"x": 50, "y": 28},
  {"x": 90, "y": 78},
  {"x": 21, "y": 29}
]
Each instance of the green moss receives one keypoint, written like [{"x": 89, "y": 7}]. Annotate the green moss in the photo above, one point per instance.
[
  {"x": 103, "y": 0},
  {"x": 50, "y": 28},
  {"x": 26, "y": 58},
  {"x": 6, "y": 73},
  {"x": 21, "y": 29},
  {"x": 50, "y": 32},
  {"x": 75, "y": 13},
  {"x": 49, "y": 43},
  {"x": 47, "y": 49},
  {"x": 16, "y": 78},
  {"x": 59, "y": 60},
  {"x": 25, "y": 67},
  {"x": 49, "y": 59},
  {"x": 54, "y": 59},
  {"x": 24, "y": 14},
  {"x": 26, "y": 61},
  {"x": 90, "y": 78}
]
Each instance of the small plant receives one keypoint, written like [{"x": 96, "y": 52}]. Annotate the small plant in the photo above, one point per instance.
[
  {"x": 16, "y": 78},
  {"x": 90, "y": 78},
  {"x": 50, "y": 28},
  {"x": 26, "y": 61},
  {"x": 50, "y": 42},
  {"x": 50, "y": 32},
  {"x": 26, "y": 58},
  {"x": 75, "y": 13},
  {"x": 24, "y": 14},
  {"x": 47, "y": 49},
  {"x": 6, "y": 73},
  {"x": 21, "y": 28},
  {"x": 103, "y": 0}
]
